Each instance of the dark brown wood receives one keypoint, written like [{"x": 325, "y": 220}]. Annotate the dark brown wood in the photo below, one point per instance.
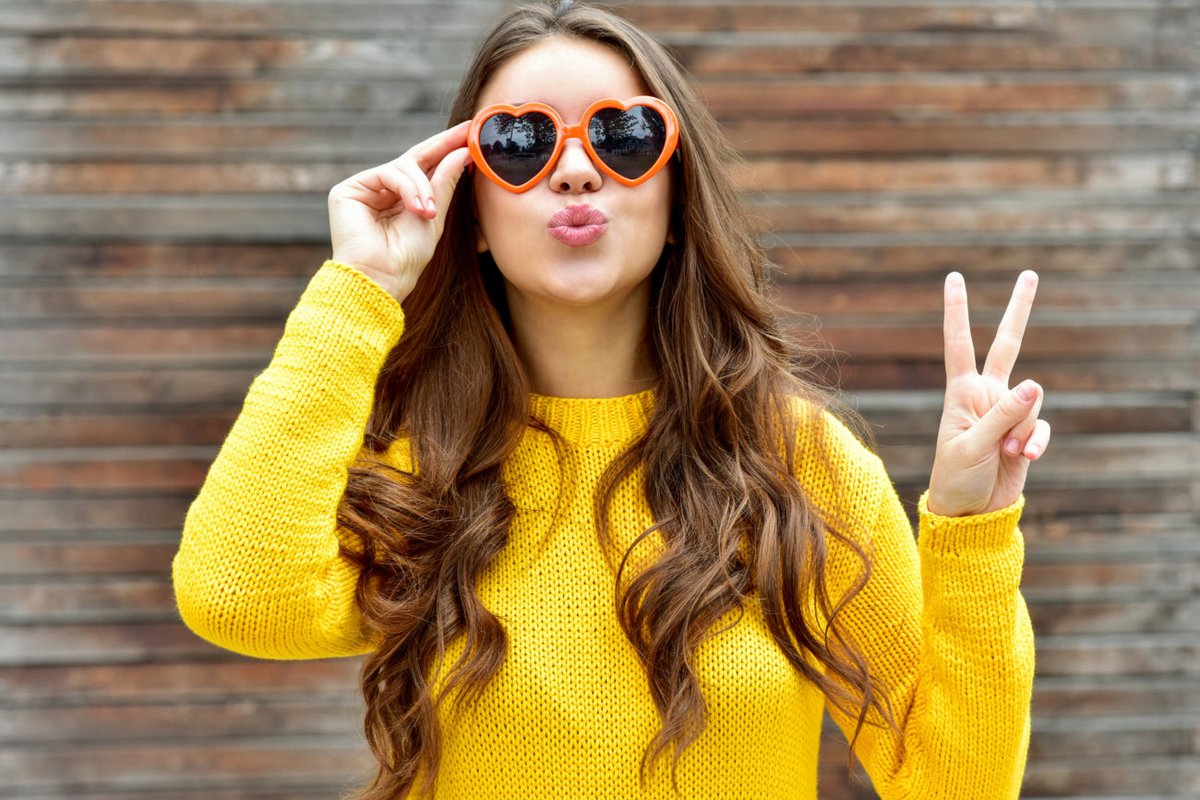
[{"x": 166, "y": 166}]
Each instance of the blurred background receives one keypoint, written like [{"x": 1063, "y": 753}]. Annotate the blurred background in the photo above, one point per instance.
[{"x": 165, "y": 168}]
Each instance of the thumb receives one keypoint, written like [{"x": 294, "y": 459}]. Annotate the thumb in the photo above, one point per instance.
[
  {"x": 446, "y": 176},
  {"x": 1010, "y": 411}
]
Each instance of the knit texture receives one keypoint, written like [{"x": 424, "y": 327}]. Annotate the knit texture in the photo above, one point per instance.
[{"x": 942, "y": 620}]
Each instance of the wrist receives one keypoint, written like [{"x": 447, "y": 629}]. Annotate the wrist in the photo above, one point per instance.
[{"x": 389, "y": 283}]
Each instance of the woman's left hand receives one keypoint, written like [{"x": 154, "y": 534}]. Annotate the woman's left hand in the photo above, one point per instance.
[{"x": 989, "y": 433}]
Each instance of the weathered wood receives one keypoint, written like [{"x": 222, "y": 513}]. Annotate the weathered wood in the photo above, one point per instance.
[
  {"x": 717, "y": 54},
  {"x": 42, "y": 512},
  {"x": 913, "y": 416},
  {"x": 865, "y": 261},
  {"x": 153, "y": 469},
  {"x": 166, "y": 166},
  {"x": 966, "y": 174},
  {"x": 165, "y": 218},
  {"x": 126, "y": 643},
  {"x": 130, "y": 428},
  {"x": 24, "y": 560},
  {"x": 241, "y": 718},
  {"x": 187, "y": 93},
  {"x": 124, "y": 389},
  {"x": 116, "y": 599},
  {"x": 1108, "y": 698},
  {"x": 245, "y": 18},
  {"x": 1119, "y": 654},
  {"x": 182, "y": 682},
  {"x": 142, "y": 260},
  {"x": 1001, "y": 216},
  {"x": 152, "y": 767},
  {"x": 1080, "y": 460},
  {"x": 821, "y": 97},
  {"x": 411, "y": 58},
  {"x": 1146, "y": 292},
  {"x": 1125, "y": 616},
  {"x": 1134, "y": 777},
  {"x": 231, "y": 344},
  {"x": 1091, "y": 375}
]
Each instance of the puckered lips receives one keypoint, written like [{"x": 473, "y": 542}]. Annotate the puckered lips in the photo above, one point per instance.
[{"x": 578, "y": 225}]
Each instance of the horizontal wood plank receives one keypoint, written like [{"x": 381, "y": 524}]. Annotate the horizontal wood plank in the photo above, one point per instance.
[
  {"x": 166, "y": 167},
  {"x": 182, "y": 682},
  {"x": 151, "y": 767}
]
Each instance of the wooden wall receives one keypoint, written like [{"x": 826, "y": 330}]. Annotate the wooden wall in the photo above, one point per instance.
[{"x": 165, "y": 166}]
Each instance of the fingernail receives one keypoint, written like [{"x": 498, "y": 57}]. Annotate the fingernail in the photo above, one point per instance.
[
  {"x": 1012, "y": 446},
  {"x": 1026, "y": 391}
]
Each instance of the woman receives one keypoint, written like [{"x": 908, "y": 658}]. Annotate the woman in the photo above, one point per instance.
[{"x": 592, "y": 503}]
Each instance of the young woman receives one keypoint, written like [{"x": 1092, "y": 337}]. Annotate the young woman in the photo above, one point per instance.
[{"x": 533, "y": 443}]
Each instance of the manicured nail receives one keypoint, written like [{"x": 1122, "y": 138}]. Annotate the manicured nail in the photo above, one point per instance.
[{"x": 1012, "y": 446}]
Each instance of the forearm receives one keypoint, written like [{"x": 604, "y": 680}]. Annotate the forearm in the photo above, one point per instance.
[
  {"x": 258, "y": 569},
  {"x": 967, "y": 726}
]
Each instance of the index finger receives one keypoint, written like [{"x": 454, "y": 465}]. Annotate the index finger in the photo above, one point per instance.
[
  {"x": 429, "y": 153},
  {"x": 1002, "y": 355},
  {"x": 956, "y": 329}
]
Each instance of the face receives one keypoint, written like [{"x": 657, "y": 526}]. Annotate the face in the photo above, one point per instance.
[{"x": 538, "y": 268}]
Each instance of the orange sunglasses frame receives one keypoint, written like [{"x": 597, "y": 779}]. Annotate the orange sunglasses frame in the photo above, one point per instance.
[{"x": 579, "y": 132}]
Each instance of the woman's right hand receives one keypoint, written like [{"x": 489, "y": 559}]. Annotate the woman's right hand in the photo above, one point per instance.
[{"x": 386, "y": 221}]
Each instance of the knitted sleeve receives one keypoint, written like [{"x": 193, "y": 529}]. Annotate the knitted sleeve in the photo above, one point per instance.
[
  {"x": 258, "y": 570},
  {"x": 942, "y": 622}
]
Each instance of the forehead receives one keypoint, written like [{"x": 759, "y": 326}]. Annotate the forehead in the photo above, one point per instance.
[{"x": 567, "y": 74}]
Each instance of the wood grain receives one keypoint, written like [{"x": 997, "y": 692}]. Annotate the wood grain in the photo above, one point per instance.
[{"x": 165, "y": 167}]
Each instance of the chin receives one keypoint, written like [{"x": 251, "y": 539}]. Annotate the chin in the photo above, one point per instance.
[
  {"x": 579, "y": 282},
  {"x": 579, "y": 293}
]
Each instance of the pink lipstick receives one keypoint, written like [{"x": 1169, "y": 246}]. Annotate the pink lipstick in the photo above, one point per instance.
[{"x": 578, "y": 225}]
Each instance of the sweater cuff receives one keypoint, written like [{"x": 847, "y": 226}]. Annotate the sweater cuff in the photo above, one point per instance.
[
  {"x": 949, "y": 535},
  {"x": 344, "y": 302}
]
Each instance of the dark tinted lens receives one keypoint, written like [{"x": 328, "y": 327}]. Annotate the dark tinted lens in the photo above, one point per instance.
[
  {"x": 628, "y": 141},
  {"x": 516, "y": 148}
]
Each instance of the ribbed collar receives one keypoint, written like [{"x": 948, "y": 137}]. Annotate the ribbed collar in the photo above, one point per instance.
[{"x": 595, "y": 420}]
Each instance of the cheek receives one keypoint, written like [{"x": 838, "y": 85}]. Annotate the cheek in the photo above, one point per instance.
[
  {"x": 498, "y": 214},
  {"x": 654, "y": 205}
]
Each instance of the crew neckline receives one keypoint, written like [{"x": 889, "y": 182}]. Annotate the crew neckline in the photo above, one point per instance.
[{"x": 595, "y": 420}]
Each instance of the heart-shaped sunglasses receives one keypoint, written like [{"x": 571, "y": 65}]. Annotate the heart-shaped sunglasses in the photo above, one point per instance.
[{"x": 630, "y": 141}]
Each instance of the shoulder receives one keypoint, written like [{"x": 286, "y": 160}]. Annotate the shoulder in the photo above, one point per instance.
[
  {"x": 397, "y": 458},
  {"x": 835, "y": 465}
]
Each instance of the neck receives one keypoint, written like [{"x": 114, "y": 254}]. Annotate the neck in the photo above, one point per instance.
[{"x": 584, "y": 352}]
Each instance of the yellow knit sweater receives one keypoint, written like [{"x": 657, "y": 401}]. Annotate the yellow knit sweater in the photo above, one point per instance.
[{"x": 569, "y": 714}]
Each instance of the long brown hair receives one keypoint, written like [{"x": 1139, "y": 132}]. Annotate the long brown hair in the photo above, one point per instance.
[{"x": 720, "y": 486}]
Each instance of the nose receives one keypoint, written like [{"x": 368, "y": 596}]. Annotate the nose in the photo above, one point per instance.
[{"x": 574, "y": 172}]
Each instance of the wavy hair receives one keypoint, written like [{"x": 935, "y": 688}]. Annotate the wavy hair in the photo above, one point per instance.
[{"x": 717, "y": 480}]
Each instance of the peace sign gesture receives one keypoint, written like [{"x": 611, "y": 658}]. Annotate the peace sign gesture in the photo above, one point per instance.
[{"x": 989, "y": 433}]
